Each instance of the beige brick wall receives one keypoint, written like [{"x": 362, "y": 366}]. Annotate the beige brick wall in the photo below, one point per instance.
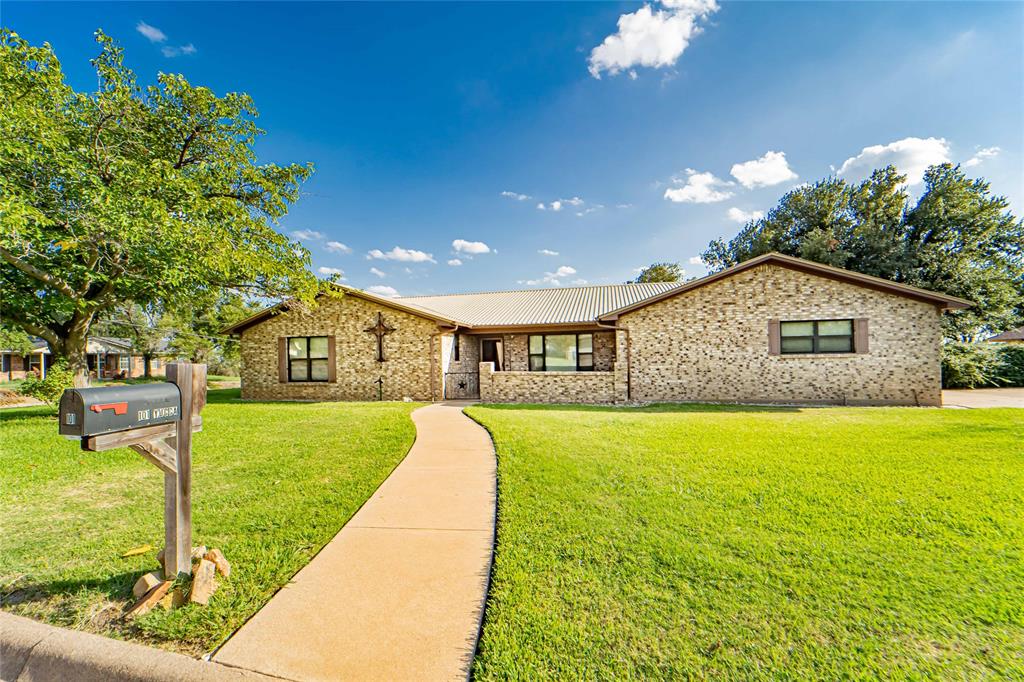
[
  {"x": 546, "y": 387},
  {"x": 409, "y": 359},
  {"x": 712, "y": 344}
]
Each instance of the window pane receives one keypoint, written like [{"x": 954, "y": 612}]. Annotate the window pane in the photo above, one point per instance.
[
  {"x": 318, "y": 347},
  {"x": 536, "y": 363},
  {"x": 586, "y": 360},
  {"x": 835, "y": 344},
  {"x": 798, "y": 345},
  {"x": 319, "y": 370},
  {"x": 586, "y": 343},
  {"x": 536, "y": 345},
  {"x": 299, "y": 370},
  {"x": 797, "y": 328},
  {"x": 560, "y": 353},
  {"x": 297, "y": 347},
  {"x": 835, "y": 328}
]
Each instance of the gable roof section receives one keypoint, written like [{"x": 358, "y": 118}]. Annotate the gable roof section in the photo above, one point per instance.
[
  {"x": 1009, "y": 335},
  {"x": 943, "y": 301},
  {"x": 394, "y": 303},
  {"x": 558, "y": 306}
]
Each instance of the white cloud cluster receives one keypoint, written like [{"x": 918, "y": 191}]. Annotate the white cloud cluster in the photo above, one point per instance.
[
  {"x": 770, "y": 169},
  {"x": 911, "y": 156},
  {"x": 695, "y": 260},
  {"x": 378, "y": 272},
  {"x": 980, "y": 156},
  {"x": 553, "y": 278},
  {"x": 471, "y": 248},
  {"x": 400, "y": 254},
  {"x": 738, "y": 215},
  {"x": 698, "y": 188},
  {"x": 547, "y": 252},
  {"x": 649, "y": 37},
  {"x": 308, "y": 235},
  {"x": 515, "y": 195},
  {"x": 455, "y": 262},
  {"x": 337, "y": 247},
  {"x": 382, "y": 290},
  {"x": 331, "y": 271},
  {"x": 155, "y": 35},
  {"x": 559, "y": 204}
]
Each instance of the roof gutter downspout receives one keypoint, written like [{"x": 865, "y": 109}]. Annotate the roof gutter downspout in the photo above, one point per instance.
[{"x": 629, "y": 354}]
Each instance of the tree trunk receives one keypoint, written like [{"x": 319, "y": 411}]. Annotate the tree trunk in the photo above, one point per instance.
[
  {"x": 146, "y": 360},
  {"x": 72, "y": 352}
]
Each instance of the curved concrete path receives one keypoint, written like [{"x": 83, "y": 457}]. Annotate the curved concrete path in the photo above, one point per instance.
[{"x": 398, "y": 594}]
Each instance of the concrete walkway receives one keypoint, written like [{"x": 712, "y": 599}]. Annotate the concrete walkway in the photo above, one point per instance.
[
  {"x": 398, "y": 594},
  {"x": 983, "y": 397}
]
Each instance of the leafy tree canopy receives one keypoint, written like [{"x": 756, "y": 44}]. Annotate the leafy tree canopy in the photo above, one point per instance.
[
  {"x": 131, "y": 195},
  {"x": 660, "y": 272},
  {"x": 15, "y": 340},
  {"x": 956, "y": 238}
]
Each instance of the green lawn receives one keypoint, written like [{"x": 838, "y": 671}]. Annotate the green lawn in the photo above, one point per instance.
[
  {"x": 718, "y": 542},
  {"x": 272, "y": 483}
]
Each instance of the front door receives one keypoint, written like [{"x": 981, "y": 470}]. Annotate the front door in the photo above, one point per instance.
[{"x": 490, "y": 351}]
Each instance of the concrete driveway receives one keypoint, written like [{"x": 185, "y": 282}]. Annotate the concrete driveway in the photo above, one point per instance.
[{"x": 983, "y": 397}]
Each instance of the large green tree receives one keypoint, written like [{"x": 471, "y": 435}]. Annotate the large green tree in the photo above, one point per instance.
[
  {"x": 660, "y": 272},
  {"x": 131, "y": 195},
  {"x": 956, "y": 238}
]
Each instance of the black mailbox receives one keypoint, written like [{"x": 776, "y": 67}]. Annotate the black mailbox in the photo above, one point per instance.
[{"x": 92, "y": 411}]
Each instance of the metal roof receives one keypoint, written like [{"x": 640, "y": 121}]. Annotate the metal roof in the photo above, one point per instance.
[
  {"x": 1010, "y": 335},
  {"x": 562, "y": 305}
]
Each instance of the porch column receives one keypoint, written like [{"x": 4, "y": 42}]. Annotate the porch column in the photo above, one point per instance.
[{"x": 42, "y": 365}]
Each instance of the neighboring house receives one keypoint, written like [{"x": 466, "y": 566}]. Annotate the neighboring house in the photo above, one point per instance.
[
  {"x": 107, "y": 358},
  {"x": 774, "y": 329},
  {"x": 1012, "y": 336}
]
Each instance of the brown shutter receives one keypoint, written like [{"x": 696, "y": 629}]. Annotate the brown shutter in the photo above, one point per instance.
[
  {"x": 332, "y": 362},
  {"x": 282, "y": 359},
  {"x": 774, "y": 338},
  {"x": 860, "y": 335}
]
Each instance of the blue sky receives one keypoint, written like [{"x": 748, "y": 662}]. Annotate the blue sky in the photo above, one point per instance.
[{"x": 644, "y": 131}]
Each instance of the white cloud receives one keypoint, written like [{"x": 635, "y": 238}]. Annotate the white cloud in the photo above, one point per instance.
[
  {"x": 400, "y": 254},
  {"x": 455, "y": 262},
  {"x": 740, "y": 216},
  {"x": 591, "y": 209},
  {"x": 379, "y": 273},
  {"x": 547, "y": 252},
  {"x": 981, "y": 155},
  {"x": 770, "y": 169},
  {"x": 337, "y": 247},
  {"x": 473, "y": 248},
  {"x": 911, "y": 156},
  {"x": 308, "y": 235},
  {"x": 172, "y": 51},
  {"x": 559, "y": 204},
  {"x": 152, "y": 33},
  {"x": 515, "y": 195},
  {"x": 579, "y": 282},
  {"x": 382, "y": 290},
  {"x": 699, "y": 188},
  {"x": 331, "y": 271},
  {"x": 695, "y": 260},
  {"x": 623, "y": 205},
  {"x": 648, "y": 37},
  {"x": 552, "y": 278}
]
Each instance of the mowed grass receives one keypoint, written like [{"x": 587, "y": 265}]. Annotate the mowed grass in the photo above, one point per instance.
[
  {"x": 272, "y": 483},
  {"x": 750, "y": 543}
]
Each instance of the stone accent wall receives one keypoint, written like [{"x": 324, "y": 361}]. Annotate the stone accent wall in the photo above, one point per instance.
[
  {"x": 411, "y": 370},
  {"x": 711, "y": 344},
  {"x": 546, "y": 387}
]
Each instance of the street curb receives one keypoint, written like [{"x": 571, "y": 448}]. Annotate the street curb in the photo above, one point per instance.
[{"x": 35, "y": 652}]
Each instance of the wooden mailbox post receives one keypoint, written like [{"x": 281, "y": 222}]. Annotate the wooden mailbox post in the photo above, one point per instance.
[{"x": 167, "y": 444}]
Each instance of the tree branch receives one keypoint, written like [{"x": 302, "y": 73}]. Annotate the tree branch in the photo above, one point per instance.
[
  {"x": 184, "y": 148},
  {"x": 37, "y": 274}
]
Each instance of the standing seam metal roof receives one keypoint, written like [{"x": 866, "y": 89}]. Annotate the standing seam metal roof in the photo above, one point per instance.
[{"x": 564, "y": 305}]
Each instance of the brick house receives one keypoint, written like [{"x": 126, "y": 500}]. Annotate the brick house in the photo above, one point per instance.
[
  {"x": 774, "y": 329},
  {"x": 107, "y": 358}
]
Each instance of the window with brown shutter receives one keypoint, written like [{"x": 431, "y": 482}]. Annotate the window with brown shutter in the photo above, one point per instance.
[{"x": 799, "y": 337}]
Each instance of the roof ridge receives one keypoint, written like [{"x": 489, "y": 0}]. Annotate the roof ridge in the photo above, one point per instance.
[{"x": 519, "y": 291}]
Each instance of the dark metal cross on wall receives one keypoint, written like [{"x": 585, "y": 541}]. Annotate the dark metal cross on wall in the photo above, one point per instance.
[{"x": 380, "y": 330}]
